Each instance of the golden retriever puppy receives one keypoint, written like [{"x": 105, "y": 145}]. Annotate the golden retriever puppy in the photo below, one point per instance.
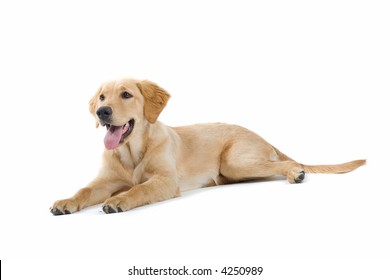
[{"x": 145, "y": 161}]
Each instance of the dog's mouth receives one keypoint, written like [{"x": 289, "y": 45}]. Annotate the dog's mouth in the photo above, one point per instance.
[{"x": 117, "y": 134}]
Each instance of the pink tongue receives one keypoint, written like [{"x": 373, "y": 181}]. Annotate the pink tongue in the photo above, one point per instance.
[{"x": 113, "y": 137}]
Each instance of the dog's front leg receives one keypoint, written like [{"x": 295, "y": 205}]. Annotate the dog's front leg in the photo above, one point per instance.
[
  {"x": 96, "y": 192},
  {"x": 157, "y": 188}
]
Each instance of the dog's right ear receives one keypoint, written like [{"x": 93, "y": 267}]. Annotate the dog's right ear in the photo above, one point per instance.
[{"x": 93, "y": 104}]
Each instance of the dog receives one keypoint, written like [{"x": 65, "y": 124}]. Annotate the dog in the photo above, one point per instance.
[{"x": 145, "y": 161}]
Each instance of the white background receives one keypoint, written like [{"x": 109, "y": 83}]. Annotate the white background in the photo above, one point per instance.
[{"x": 310, "y": 77}]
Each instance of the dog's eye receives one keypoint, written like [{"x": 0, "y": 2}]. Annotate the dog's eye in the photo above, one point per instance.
[
  {"x": 126, "y": 95},
  {"x": 101, "y": 97}
]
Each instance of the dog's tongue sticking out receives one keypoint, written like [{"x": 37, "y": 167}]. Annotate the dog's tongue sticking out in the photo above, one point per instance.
[{"x": 113, "y": 136}]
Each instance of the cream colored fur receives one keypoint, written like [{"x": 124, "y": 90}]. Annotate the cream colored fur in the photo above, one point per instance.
[{"x": 156, "y": 162}]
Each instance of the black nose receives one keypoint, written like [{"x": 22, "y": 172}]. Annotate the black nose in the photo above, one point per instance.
[{"x": 104, "y": 113}]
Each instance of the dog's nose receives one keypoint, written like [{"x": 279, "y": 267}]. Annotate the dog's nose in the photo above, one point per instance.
[{"x": 104, "y": 113}]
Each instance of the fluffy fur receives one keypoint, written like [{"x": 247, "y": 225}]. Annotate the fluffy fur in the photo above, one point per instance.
[{"x": 156, "y": 162}]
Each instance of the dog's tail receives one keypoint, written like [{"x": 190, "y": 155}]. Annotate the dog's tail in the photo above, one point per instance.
[
  {"x": 326, "y": 168},
  {"x": 334, "y": 168}
]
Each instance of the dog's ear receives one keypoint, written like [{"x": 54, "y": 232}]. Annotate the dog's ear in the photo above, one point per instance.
[
  {"x": 93, "y": 104},
  {"x": 155, "y": 99}
]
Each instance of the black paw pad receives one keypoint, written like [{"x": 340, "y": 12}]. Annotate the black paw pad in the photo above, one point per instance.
[
  {"x": 108, "y": 210},
  {"x": 300, "y": 178},
  {"x": 56, "y": 212}
]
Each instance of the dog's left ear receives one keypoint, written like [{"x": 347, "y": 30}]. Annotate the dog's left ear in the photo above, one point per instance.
[
  {"x": 155, "y": 99},
  {"x": 93, "y": 104}
]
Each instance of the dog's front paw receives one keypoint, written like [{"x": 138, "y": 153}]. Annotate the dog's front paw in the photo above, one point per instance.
[
  {"x": 64, "y": 206},
  {"x": 115, "y": 204}
]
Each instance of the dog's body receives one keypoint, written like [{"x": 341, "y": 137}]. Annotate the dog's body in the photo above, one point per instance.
[{"x": 146, "y": 161}]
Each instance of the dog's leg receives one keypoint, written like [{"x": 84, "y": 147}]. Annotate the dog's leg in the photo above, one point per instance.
[
  {"x": 158, "y": 188},
  {"x": 291, "y": 169},
  {"x": 255, "y": 158},
  {"x": 96, "y": 192}
]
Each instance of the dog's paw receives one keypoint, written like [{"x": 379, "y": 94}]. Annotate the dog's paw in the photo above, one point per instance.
[
  {"x": 115, "y": 205},
  {"x": 296, "y": 175},
  {"x": 64, "y": 206}
]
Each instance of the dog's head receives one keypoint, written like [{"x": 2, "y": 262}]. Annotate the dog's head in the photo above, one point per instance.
[{"x": 123, "y": 105}]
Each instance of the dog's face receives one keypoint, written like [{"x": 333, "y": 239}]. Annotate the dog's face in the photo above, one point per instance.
[{"x": 123, "y": 106}]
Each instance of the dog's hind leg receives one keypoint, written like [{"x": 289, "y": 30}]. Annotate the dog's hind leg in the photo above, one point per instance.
[{"x": 247, "y": 160}]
